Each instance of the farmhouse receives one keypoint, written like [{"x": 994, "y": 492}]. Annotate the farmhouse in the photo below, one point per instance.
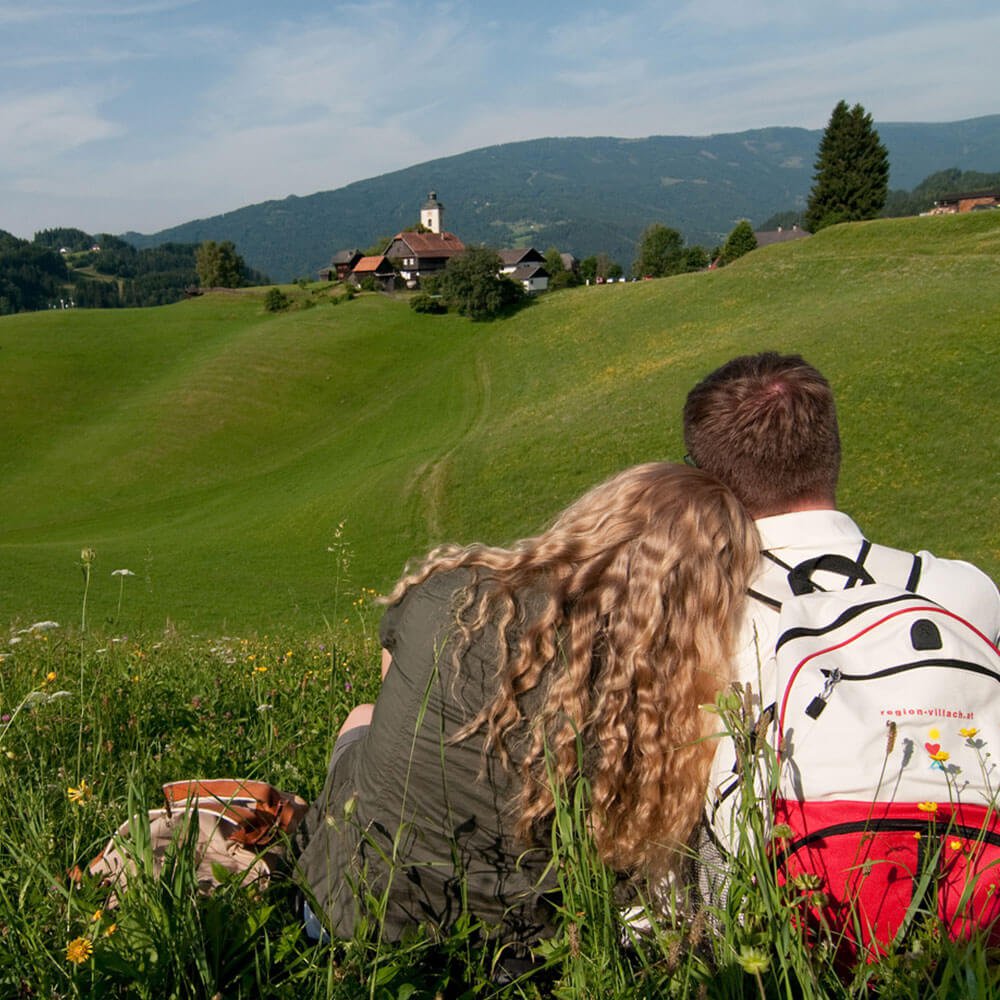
[
  {"x": 967, "y": 201},
  {"x": 376, "y": 269},
  {"x": 341, "y": 265},
  {"x": 527, "y": 267}
]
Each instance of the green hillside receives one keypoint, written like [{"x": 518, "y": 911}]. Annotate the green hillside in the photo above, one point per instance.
[
  {"x": 583, "y": 195},
  {"x": 213, "y": 448}
]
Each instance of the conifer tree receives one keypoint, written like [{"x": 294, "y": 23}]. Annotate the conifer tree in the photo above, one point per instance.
[{"x": 851, "y": 181}]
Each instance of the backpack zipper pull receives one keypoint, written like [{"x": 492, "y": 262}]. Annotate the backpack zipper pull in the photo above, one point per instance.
[{"x": 815, "y": 708}]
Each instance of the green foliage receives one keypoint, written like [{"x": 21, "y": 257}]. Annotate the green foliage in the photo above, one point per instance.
[
  {"x": 69, "y": 239},
  {"x": 851, "y": 181},
  {"x": 937, "y": 185},
  {"x": 31, "y": 277},
  {"x": 661, "y": 252},
  {"x": 275, "y": 300},
  {"x": 740, "y": 241},
  {"x": 425, "y": 303},
  {"x": 219, "y": 265},
  {"x": 554, "y": 262},
  {"x": 472, "y": 285}
]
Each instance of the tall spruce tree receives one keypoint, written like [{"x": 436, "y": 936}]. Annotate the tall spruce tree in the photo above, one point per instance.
[{"x": 851, "y": 181}]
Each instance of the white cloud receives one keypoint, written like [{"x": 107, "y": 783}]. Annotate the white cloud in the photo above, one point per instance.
[{"x": 38, "y": 127}]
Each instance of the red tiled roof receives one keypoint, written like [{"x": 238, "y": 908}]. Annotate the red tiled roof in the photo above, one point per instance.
[
  {"x": 367, "y": 264},
  {"x": 432, "y": 244}
]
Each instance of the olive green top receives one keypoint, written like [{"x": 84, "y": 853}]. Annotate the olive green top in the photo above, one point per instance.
[{"x": 409, "y": 818}]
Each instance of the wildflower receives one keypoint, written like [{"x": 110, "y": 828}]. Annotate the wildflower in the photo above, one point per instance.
[
  {"x": 781, "y": 831},
  {"x": 122, "y": 572},
  {"x": 753, "y": 960},
  {"x": 87, "y": 556},
  {"x": 955, "y": 845},
  {"x": 927, "y": 807},
  {"x": 50, "y": 677},
  {"x": 111, "y": 928},
  {"x": 941, "y": 755},
  {"x": 79, "y": 950},
  {"x": 969, "y": 732},
  {"x": 97, "y": 916},
  {"x": 916, "y": 834},
  {"x": 81, "y": 793},
  {"x": 807, "y": 881}
]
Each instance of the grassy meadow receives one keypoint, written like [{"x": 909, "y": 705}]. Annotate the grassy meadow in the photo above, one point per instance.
[{"x": 264, "y": 475}]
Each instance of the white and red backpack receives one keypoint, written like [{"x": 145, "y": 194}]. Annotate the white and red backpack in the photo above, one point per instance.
[{"x": 887, "y": 732}]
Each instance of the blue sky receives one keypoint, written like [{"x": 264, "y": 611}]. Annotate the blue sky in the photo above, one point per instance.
[{"x": 142, "y": 114}]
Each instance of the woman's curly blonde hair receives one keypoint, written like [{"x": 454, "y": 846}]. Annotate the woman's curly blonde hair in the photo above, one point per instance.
[{"x": 636, "y": 593}]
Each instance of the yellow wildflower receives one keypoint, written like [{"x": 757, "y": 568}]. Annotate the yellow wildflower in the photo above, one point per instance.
[
  {"x": 81, "y": 793},
  {"x": 968, "y": 733},
  {"x": 927, "y": 807},
  {"x": 97, "y": 916},
  {"x": 50, "y": 676},
  {"x": 916, "y": 834},
  {"x": 110, "y": 930},
  {"x": 955, "y": 845},
  {"x": 79, "y": 950},
  {"x": 941, "y": 755}
]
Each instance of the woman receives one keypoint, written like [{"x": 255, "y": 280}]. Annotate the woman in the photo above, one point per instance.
[{"x": 587, "y": 650}]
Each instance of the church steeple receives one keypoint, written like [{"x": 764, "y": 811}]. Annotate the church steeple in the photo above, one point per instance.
[{"x": 431, "y": 213}]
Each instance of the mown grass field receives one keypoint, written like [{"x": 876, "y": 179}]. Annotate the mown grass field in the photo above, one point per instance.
[
  {"x": 213, "y": 448},
  {"x": 262, "y": 475}
]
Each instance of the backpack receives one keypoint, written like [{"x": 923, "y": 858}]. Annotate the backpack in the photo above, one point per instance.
[{"x": 887, "y": 712}]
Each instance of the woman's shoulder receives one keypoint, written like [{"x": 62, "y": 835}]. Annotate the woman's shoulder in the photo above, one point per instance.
[{"x": 430, "y": 603}]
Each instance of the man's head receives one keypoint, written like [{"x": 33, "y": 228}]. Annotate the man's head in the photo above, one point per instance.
[{"x": 766, "y": 425}]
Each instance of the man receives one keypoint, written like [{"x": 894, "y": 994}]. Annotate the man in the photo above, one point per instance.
[{"x": 766, "y": 425}]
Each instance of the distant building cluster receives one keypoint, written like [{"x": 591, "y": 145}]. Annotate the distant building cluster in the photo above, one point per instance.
[
  {"x": 967, "y": 201},
  {"x": 415, "y": 254}
]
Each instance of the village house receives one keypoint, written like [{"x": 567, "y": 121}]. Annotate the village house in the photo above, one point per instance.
[
  {"x": 376, "y": 270},
  {"x": 526, "y": 267},
  {"x": 341, "y": 265},
  {"x": 966, "y": 201}
]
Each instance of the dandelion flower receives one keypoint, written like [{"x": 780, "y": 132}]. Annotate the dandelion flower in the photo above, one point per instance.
[
  {"x": 97, "y": 916},
  {"x": 968, "y": 733},
  {"x": 955, "y": 845},
  {"x": 927, "y": 807},
  {"x": 110, "y": 930},
  {"x": 916, "y": 834},
  {"x": 81, "y": 793},
  {"x": 79, "y": 950}
]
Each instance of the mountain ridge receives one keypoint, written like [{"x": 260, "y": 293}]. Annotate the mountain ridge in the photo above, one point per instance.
[{"x": 582, "y": 194}]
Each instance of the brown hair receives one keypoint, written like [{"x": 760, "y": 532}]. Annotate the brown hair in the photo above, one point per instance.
[
  {"x": 766, "y": 425},
  {"x": 637, "y": 590}
]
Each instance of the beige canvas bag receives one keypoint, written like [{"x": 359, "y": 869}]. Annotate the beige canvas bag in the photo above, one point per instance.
[{"x": 242, "y": 827}]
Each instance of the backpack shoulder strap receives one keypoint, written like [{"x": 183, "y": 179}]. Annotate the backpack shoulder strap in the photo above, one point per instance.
[{"x": 873, "y": 564}]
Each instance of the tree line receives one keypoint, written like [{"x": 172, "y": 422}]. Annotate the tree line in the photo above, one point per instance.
[{"x": 65, "y": 267}]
